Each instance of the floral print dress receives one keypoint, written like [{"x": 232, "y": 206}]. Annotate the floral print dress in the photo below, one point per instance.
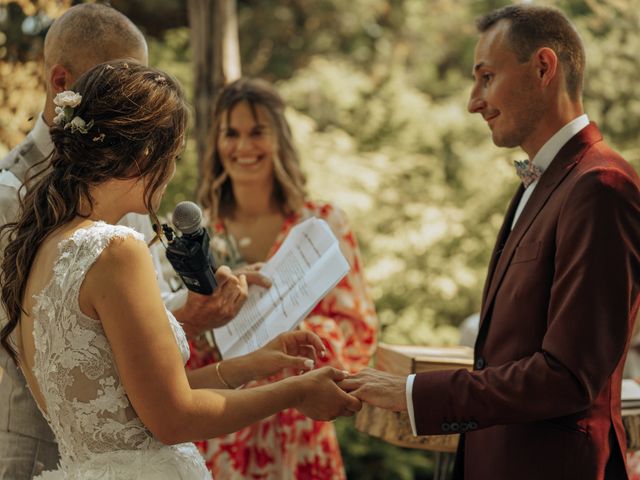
[{"x": 289, "y": 445}]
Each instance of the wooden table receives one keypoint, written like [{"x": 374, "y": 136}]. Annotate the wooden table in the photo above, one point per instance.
[
  {"x": 631, "y": 421},
  {"x": 395, "y": 427}
]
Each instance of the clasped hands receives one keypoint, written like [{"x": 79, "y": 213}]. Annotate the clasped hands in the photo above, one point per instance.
[
  {"x": 326, "y": 392},
  {"x": 314, "y": 391}
]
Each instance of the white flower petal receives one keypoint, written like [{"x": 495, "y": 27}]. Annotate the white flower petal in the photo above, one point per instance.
[
  {"x": 78, "y": 123},
  {"x": 59, "y": 118},
  {"x": 67, "y": 99}
]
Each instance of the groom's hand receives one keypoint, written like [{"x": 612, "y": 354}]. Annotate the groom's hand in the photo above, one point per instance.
[
  {"x": 377, "y": 388},
  {"x": 204, "y": 312}
]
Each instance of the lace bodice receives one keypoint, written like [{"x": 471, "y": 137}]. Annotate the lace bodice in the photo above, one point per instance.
[{"x": 87, "y": 406}]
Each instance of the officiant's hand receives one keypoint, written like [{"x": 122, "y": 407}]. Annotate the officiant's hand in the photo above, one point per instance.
[
  {"x": 378, "y": 388},
  {"x": 253, "y": 275},
  {"x": 204, "y": 312}
]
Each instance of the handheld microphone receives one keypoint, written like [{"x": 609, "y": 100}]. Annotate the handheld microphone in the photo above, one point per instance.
[{"x": 189, "y": 254}]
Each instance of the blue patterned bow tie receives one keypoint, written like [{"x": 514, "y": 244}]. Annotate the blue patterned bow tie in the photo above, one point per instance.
[{"x": 528, "y": 171}]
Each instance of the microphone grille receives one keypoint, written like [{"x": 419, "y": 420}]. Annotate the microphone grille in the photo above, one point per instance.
[{"x": 187, "y": 217}]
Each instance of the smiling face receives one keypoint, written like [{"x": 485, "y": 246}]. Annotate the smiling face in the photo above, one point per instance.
[
  {"x": 505, "y": 92},
  {"x": 247, "y": 144}
]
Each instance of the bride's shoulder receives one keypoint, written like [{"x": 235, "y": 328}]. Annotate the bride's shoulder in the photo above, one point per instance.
[
  {"x": 119, "y": 245},
  {"x": 112, "y": 250},
  {"x": 90, "y": 234},
  {"x": 106, "y": 233}
]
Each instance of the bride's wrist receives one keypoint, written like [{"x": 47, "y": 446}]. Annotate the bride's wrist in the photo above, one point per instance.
[
  {"x": 221, "y": 378},
  {"x": 232, "y": 373}
]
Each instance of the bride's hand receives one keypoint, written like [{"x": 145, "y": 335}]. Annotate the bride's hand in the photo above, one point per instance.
[
  {"x": 321, "y": 397},
  {"x": 298, "y": 350}
]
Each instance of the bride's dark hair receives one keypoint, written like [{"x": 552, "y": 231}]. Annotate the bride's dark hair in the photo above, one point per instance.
[{"x": 139, "y": 117}]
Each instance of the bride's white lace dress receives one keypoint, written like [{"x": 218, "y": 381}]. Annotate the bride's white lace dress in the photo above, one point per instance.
[{"x": 97, "y": 429}]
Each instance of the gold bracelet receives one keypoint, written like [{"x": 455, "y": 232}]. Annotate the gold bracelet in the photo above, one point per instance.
[{"x": 224, "y": 382}]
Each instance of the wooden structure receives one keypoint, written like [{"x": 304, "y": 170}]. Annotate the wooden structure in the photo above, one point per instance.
[
  {"x": 216, "y": 60},
  {"x": 631, "y": 421},
  {"x": 395, "y": 427}
]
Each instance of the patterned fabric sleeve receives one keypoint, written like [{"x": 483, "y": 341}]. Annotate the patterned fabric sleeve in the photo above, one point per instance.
[{"x": 345, "y": 319}]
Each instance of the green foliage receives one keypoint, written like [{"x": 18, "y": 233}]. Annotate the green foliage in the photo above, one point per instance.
[
  {"x": 397, "y": 159},
  {"x": 374, "y": 459},
  {"x": 610, "y": 31},
  {"x": 172, "y": 53}
]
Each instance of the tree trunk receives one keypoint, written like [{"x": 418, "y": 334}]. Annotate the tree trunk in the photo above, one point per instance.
[{"x": 216, "y": 60}]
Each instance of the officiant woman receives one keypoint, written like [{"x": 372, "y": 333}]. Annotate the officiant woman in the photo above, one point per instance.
[{"x": 253, "y": 192}]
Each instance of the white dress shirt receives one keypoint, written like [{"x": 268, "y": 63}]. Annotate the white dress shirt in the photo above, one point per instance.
[
  {"x": 547, "y": 153},
  {"x": 41, "y": 137},
  {"x": 542, "y": 159}
]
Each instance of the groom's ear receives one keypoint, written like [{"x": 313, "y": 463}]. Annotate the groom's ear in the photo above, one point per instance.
[
  {"x": 60, "y": 78},
  {"x": 546, "y": 64}
]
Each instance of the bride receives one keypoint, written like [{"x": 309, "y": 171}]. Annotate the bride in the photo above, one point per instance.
[{"x": 102, "y": 356}]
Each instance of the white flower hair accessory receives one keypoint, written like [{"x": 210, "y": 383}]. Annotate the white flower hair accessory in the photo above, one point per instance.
[
  {"x": 65, "y": 103},
  {"x": 68, "y": 98}
]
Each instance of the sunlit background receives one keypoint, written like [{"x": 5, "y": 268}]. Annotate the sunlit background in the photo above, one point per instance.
[{"x": 377, "y": 93}]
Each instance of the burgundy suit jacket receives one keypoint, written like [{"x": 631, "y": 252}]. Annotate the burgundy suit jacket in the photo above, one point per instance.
[{"x": 543, "y": 401}]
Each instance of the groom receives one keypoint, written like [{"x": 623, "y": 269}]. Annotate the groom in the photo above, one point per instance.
[
  {"x": 543, "y": 401},
  {"x": 84, "y": 36}
]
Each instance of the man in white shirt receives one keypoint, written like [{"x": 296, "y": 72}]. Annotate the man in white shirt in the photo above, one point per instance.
[
  {"x": 543, "y": 400},
  {"x": 84, "y": 36}
]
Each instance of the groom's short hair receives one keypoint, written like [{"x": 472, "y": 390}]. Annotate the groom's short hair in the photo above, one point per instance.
[
  {"x": 88, "y": 34},
  {"x": 532, "y": 27}
]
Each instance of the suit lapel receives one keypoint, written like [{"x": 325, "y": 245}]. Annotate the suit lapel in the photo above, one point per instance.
[
  {"x": 503, "y": 234},
  {"x": 559, "y": 168}
]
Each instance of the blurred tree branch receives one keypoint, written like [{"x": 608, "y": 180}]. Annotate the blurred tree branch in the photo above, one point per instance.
[{"x": 216, "y": 59}]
